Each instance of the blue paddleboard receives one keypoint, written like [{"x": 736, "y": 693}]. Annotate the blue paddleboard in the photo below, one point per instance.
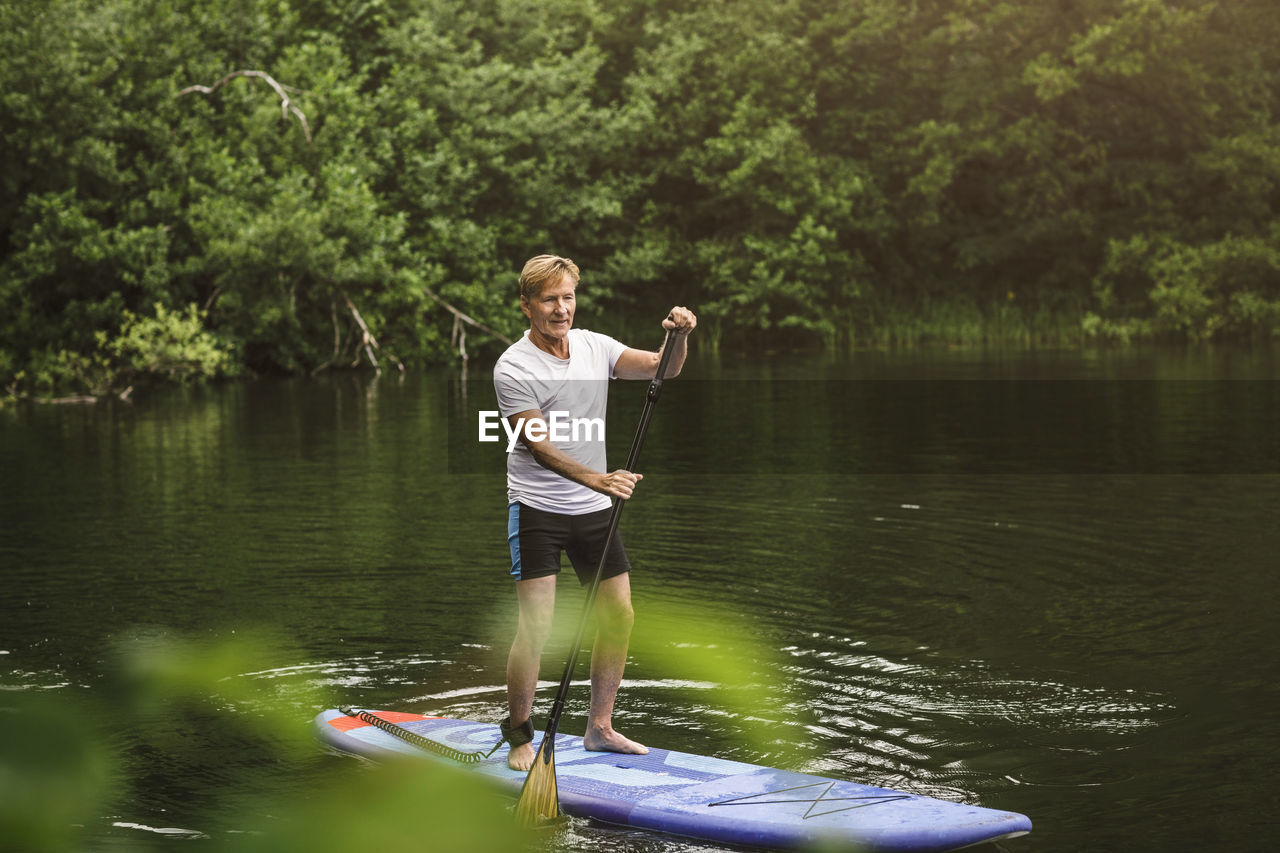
[{"x": 697, "y": 796}]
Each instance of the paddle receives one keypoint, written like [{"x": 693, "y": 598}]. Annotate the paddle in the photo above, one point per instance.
[{"x": 539, "y": 798}]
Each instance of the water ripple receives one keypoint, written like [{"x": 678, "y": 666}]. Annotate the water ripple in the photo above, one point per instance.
[{"x": 922, "y": 723}]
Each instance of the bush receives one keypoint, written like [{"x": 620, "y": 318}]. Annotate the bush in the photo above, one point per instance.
[
  {"x": 1229, "y": 286},
  {"x": 172, "y": 345}
]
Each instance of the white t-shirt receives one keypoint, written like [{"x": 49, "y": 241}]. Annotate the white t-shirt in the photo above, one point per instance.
[{"x": 572, "y": 395}]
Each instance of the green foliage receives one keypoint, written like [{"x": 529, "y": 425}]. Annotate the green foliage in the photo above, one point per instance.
[
  {"x": 55, "y": 775},
  {"x": 1198, "y": 291},
  {"x": 170, "y": 345},
  {"x": 693, "y": 644},
  {"x": 400, "y": 808},
  {"x": 66, "y": 761},
  {"x": 796, "y": 171},
  {"x": 51, "y": 373},
  {"x": 62, "y": 765},
  {"x": 160, "y": 677}
]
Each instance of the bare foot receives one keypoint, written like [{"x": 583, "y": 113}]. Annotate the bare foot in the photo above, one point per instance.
[
  {"x": 608, "y": 740},
  {"x": 521, "y": 757}
]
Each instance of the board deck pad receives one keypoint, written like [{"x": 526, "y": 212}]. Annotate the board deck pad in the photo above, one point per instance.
[{"x": 698, "y": 796}]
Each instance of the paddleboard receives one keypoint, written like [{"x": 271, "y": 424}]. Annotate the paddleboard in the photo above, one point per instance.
[{"x": 696, "y": 796}]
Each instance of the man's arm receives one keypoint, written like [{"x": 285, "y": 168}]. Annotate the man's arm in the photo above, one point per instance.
[
  {"x": 642, "y": 364},
  {"x": 619, "y": 484}
]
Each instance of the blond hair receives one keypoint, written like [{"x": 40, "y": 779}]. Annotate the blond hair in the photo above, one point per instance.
[{"x": 542, "y": 270}]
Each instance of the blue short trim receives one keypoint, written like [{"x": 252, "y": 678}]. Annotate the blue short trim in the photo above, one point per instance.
[{"x": 513, "y": 538}]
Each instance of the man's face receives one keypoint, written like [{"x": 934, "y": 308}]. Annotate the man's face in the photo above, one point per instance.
[{"x": 550, "y": 313}]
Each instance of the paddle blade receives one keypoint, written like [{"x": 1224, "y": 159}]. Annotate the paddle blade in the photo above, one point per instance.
[{"x": 540, "y": 798}]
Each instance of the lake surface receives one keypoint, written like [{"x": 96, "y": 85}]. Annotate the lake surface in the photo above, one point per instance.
[{"x": 1039, "y": 581}]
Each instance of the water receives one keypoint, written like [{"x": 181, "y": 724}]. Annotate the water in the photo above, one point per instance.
[{"x": 1043, "y": 582}]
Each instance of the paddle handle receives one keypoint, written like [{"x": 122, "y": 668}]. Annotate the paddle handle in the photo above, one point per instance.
[{"x": 615, "y": 515}]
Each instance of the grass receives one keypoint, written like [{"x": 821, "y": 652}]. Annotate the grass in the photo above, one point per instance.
[{"x": 966, "y": 323}]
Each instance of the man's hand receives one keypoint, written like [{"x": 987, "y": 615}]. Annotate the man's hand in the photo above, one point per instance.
[
  {"x": 681, "y": 319},
  {"x": 619, "y": 484},
  {"x": 642, "y": 364}
]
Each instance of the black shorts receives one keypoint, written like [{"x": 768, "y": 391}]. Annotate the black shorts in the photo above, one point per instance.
[{"x": 537, "y": 537}]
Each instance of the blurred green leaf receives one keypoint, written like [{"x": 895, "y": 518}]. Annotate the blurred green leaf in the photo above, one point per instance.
[
  {"x": 696, "y": 644},
  {"x": 56, "y": 772},
  {"x": 400, "y": 807}
]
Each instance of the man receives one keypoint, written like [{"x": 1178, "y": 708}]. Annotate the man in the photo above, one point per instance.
[{"x": 560, "y": 495}]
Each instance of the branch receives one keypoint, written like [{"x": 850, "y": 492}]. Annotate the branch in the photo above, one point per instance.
[
  {"x": 459, "y": 336},
  {"x": 369, "y": 342},
  {"x": 80, "y": 399},
  {"x": 286, "y": 105}
]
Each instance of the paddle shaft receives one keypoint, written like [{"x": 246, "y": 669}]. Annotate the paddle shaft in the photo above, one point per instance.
[{"x": 633, "y": 457}]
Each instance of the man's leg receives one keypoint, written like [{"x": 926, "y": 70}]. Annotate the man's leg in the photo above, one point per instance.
[
  {"x": 614, "y": 617},
  {"x": 537, "y": 599}
]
